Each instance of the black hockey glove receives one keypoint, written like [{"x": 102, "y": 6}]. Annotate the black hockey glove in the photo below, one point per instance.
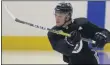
[
  {"x": 75, "y": 37},
  {"x": 101, "y": 40}
]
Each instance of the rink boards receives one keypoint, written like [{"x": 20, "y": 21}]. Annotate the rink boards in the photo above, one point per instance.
[
  {"x": 16, "y": 36},
  {"x": 31, "y": 43}
]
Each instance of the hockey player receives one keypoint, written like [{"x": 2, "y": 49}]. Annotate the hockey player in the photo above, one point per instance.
[{"x": 74, "y": 49}]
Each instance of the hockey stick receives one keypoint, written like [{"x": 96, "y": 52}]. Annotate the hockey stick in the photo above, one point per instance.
[
  {"x": 36, "y": 26},
  {"x": 60, "y": 32}
]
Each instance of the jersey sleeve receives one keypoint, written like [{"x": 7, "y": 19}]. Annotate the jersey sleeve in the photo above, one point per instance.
[
  {"x": 88, "y": 29},
  {"x": 59, "y": 44}
]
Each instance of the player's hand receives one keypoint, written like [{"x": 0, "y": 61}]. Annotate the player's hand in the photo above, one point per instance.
[{"x": 101, "y": 40}]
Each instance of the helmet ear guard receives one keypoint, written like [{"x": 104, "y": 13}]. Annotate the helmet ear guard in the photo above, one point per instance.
[{"x": 67, "y": 18}]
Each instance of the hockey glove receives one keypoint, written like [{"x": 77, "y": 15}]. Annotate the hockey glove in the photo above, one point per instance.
[{"x": 101, "y": 40}]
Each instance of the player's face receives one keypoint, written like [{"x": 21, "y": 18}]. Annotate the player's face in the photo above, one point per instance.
[{"x": 60, "y": 18}]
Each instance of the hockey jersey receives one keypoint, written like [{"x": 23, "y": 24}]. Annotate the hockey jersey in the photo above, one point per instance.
[{"x": 86, "y": 29}]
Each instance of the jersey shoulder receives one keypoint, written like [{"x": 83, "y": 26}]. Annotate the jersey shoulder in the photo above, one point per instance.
[
  {"x": 80, "y": 21},
  {"x": 53, "y": 28}
]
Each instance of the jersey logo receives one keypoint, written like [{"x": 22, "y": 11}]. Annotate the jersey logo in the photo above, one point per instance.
[{"x": 80, "y": 28}]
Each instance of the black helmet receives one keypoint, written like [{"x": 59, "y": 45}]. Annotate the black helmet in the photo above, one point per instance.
[{"x": 64, "y": 8}]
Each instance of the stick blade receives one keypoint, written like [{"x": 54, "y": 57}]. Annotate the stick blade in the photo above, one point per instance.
[{"x": 9, "y": 12}]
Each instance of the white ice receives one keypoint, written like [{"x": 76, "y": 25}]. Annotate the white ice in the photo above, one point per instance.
[{"x": 38, "y": 57}]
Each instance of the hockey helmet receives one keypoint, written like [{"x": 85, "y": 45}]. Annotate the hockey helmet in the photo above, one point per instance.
[{"x": 64, "y": 8}]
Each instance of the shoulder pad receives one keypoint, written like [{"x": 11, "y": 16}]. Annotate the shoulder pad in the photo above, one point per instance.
[{"x": 80, "y": 21}]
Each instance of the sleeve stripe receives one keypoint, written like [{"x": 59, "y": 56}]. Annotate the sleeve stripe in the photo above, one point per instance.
[{"x": 79, "y": 49}]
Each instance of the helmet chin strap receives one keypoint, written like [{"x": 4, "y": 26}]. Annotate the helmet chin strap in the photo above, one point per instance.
[{"x": 66, "y": 23}]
